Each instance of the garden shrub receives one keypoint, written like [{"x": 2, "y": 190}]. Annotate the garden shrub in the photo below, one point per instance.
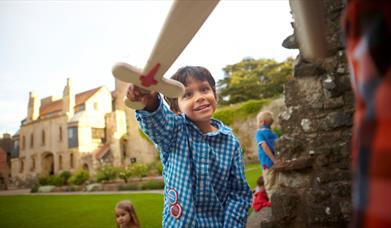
[
  {"x": 106, "y": 173},
  {"x": 242, "y": 111},
  {"x": 43, "y": 180},
  {"x": 128, "y": 187},
  {"x": 125, "y": 173},
  {"x": 79, "y": 177},
  {"x": 65, "y": 175},
  {"x": 56, "y": 180},
  {"x": 139, "y": 170},
  {"x": 153, "y": 184}
]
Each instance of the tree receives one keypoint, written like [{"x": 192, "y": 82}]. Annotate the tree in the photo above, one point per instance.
[{"x": 253, "y": 79}]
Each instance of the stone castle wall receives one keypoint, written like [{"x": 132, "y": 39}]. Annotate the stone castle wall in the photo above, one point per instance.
[{"x": 315, "y": 176}]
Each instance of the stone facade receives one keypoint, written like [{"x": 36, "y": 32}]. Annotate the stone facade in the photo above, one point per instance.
[
  {"x": 5, "y": 156},
  {"x": 76, "y": 131},
  {"x": 315, "y": 176}
]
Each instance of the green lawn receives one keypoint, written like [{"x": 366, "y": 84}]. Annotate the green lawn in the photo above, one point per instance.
[
  {"x": 73, "y": 211},
  {"x": 85, "y": 211},
  {"x": 253, "y": 171}
]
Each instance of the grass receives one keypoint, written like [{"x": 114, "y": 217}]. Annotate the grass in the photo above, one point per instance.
[
  {"x": 85, "y": 211},
  {"x": 74, "y": 211},
  {"x": 252, "y": 172}
]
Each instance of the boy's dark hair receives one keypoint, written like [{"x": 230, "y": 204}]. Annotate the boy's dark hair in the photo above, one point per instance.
[
  {"x": 260, "y": 181},
  {"x": 183, "y": 74}
]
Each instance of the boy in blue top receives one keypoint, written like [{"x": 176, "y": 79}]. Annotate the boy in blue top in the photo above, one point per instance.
[
  {"x": 202, "y": 160},
  {"x": 265, "y": 138}
]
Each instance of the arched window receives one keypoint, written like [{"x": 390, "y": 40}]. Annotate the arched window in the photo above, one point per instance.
[
  {"x": 60, "y": 162},
  {"x": 43, "y": 137},
  {"x": 23, "y": 142},
  {"x": 71, "y": 160},
  {"x": 21, "y": 167},
  {"x": 31, "y": 140},
  {"x": 60, "y": 133}
]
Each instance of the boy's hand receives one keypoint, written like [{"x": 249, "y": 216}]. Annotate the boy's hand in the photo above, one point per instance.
[{"x": 138, "y": 94}]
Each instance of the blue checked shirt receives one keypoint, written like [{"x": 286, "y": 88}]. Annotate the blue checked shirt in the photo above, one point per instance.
[{"x": 206, "y": 170}]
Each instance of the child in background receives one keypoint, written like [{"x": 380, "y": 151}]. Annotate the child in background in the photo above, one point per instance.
[
  {"x": 265, "y": 138},
  {"x": 203, "y": 167},
  {"x": 260, "y": 199},
  {"x": 125, "y": 215}
]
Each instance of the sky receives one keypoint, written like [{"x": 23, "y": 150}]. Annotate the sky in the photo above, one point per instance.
[{"x": 42, "y": 43}]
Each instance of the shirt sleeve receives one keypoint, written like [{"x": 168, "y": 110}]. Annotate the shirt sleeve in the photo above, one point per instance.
[
  {"x": 160, "y": 125},
  {"x": 259, "y": 137},
  {"x": 239, "y": 198}
]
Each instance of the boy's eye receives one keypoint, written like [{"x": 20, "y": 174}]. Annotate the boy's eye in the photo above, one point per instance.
[
  {"x": 205, "y": 89},
  {"x": 187, "y": 94}
]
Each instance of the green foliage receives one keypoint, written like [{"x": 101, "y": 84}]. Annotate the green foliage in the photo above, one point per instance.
[
  {"x": 253, "y": 79},
  {"x": 43, "y": 180},
  {"x": 144, "y": 136},
  {"x": 159, "y": 168},
  {"x": 129, "y": 187},
  {"x": 106, "y": 173},
  {"x": 139, "y": 170},
  {"x": 65, "y": 175},
  {"x": 155, "y": 168},
  {"x": 153, "y": 184},
  {"x": 240, "y": 111},
  {"x": 125, "y": 173},
  {"x": 79, "y": 177},
  {"x": 56, "y": 180}
]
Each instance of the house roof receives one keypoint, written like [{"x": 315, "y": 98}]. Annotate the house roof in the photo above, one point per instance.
[
  {"x": 101, "y": 151},
  {"x": 56, "y": 106}
]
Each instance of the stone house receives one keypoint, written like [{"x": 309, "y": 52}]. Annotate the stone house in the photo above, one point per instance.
[
  {"x": 76, "y": 131},
  {"x": 5, "y": 153}
]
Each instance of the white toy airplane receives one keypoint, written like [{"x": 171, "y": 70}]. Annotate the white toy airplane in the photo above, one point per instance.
[{"x": 182, "y": 23}]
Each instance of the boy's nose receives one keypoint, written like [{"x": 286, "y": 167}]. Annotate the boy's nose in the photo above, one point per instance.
[{"x": 200, "y": 97}]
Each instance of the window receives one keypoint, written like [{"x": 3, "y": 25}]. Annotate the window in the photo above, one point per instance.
[
  {"x": 60, "y": 133},
  {"x": 31, "y": 140},
  {"x": 71, "y": 161},
  {"x": 96, "y": 106},
  {"x": 80, "y": 108},
  {"x": 60, "y": 162},
  {"x": 43, "y": 137},
  {"x": 23, "y": 142},
  {"x": 72, "y": 137},
  {"x": 98, "y": 134},
  {"x": 21, "y": 167},
  {"x": 15, "y": 149},
  {"x": 32, "y": 163}
]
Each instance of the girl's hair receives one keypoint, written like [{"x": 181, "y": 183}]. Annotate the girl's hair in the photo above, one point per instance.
[
  {"x": 127, "y": 206},
  {"x": 183, "y": 74},
  {"x": 266, "y": 117},
  {"x": 260, "y": 181}
]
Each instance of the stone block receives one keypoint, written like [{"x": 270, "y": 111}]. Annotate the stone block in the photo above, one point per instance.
[{"x": 285, "y": 205}]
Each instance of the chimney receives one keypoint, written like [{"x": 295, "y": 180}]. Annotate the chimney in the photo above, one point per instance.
[
  {"x": 68, "y": 98},
  {"x": 33, "y": 107}
]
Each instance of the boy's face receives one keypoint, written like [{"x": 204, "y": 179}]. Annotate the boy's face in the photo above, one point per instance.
[{"x": 198, "y": 101}]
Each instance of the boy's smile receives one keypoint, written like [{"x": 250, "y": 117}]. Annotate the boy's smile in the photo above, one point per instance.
[{"x": 198, "y": 103}]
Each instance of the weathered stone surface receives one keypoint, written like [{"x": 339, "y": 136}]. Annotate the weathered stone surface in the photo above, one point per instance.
[
  {"x": 259, "y": 219},
  {"x": 284, "y": 205},
  {"x": 314, "y": 187},
  {"x": 290, "y": 42},
  {"x": 302, "y": 68}
]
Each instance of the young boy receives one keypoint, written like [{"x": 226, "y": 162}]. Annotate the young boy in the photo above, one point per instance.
[
  {"x": 260, "y": 199},
  {"x": 265, "y": 138},
  {"x": 202, "y": 160}
]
